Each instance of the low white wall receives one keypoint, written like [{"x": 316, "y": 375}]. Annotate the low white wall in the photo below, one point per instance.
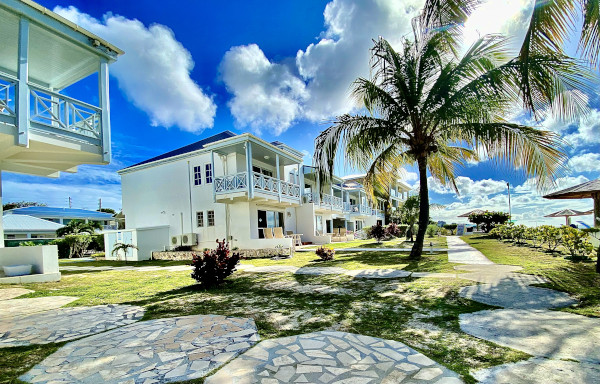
[
  {"x": 150, "y": 240},
  {"x": 44, "y": 259}
]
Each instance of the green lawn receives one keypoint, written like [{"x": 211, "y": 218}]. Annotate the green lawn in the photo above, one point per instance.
[
  {"x": 438, "y": 242},
  {"x": 422, "y": 313},
  {"x": 435, "y": 262},
  {"x": 116, "y": 263},
  {"x": 578, "y": 279}
]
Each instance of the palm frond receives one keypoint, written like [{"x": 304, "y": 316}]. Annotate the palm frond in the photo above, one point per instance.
[{"x": 589, "y": 42}]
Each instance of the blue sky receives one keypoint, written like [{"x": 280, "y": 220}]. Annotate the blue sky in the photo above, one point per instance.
[{"x": 279, "y": 69}]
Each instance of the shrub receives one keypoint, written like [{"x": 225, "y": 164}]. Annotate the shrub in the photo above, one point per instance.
[
  {"x": 551, "y": 236},
  {"x": 27, "y": 244},
  {"x": 77, "y": 244},
  {"x": 182, "y": 248},
  {"x": 213, "y": 266},
  {"x": 576, "y": 242},
  {"x": 534, "y": 234},
  {"x": 450, "y": 227},
  {"x": 376, "y": 232},
  {"x": 325, "y": 254},
  {"x": 488, "y": 220},
  {"x": 395, "y": 230},
  {"x": 431, "y": 230},
  {"x": 63, "y": 248},
  {"x": 97, "y": 243},
  {"x": 518, "y": 233}
]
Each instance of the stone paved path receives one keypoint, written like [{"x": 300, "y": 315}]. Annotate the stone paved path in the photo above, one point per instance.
[
  {"x": 155, "y": 351},
  {"x": 16, "y": 308},
  {"x": 58, "y": 325},
  {"x": 510, "y": 294},
  {"x": 528, "y": 326},
  {"x": 462, "y": 253},
  {"x": 559, "y": 335},
  {"x": 540, "y": 370},
  {"x": 11, "y": 293},
  {"x": 332, "y": 357}
]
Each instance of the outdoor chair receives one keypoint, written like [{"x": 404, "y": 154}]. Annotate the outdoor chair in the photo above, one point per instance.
[
  {"x": 289, "y": 233},
  {"x": 278, "y": 233},
  {"x": 268, "y": 232}
]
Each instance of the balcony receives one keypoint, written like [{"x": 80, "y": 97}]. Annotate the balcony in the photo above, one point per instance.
[
  {"x": 327, "y": 202},
  {"x": 236, "y": 186},
  {"x": 43, "y": 131}
]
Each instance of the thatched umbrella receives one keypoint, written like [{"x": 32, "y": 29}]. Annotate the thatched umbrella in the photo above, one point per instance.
[
  {"x": 475, "y": 211},
  {"x": 567, "y": 213},
  {"x": 587, "y": 190}
]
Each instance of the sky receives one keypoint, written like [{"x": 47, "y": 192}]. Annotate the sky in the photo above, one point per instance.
[{"x": 281, "y": 70}]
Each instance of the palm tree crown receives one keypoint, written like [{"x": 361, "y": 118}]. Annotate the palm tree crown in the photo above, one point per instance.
[{"x": 426, "y": 104}]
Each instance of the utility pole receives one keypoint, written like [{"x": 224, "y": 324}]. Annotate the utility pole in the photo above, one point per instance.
[
  {"x": 509, "y": 210},
  {"x": 70, "y": 202},
  {"x": 100, "y": 204}
]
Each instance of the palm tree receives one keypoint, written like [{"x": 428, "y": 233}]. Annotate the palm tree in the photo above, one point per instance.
[
  {"x": 550, "y": 26},
  {"x": 78, "y": 227},
  {"x": 118, "y": 247},
  {"x": 427, "y": 105}
]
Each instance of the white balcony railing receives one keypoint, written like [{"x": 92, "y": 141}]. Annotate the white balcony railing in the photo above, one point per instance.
[
  {"x": 65, "y": 113},
  {"x": 7, "y": 96},
  {"x": 327, "y": 201},
  {"x": 362, "y": 209},
  {"x": 260, "y": 182}
]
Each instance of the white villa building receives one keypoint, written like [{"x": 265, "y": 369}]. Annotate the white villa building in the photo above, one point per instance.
[{"x": 233, "y": 186}]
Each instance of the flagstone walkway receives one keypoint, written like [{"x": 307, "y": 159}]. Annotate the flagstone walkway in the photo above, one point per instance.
[
  {"x": 526, "y": 324},
  {"x": 58, "y": 325},
  {"x": 155, "y": 351},
  {"x": 332, "y": 357}
]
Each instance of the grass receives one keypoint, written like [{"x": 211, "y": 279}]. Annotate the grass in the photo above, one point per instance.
[
  {"x": 434, "y": 262},
  {"x": 423, "y": 313},
  {"x": 116, "y": 263},
  {"x": 576, "y": 278},
  {"x": 438, "y": 242}
]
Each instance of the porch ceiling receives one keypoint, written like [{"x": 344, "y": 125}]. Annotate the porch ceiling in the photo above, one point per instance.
[
  {"x": 259, "y": 152},
  {"x": 54, "y": 61}
]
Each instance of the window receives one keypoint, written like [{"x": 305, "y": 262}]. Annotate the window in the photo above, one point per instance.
[
  {"x": 210, "y": 218},
  {"x": 200, "y": 219},
  {"x": 197, "y": 175},
  {"x": 208, "y": 168},
  {"x": 269, "y": 219},
  {"x": 358, "y": 225},
  {"x": 265, "y": 172}
]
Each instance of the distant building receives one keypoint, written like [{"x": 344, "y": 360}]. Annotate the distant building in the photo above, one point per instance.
[
  {"x": 65, "y": 215},
  {"x": 28, "y": 227}
]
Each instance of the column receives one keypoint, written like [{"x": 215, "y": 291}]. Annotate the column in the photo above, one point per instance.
[
  {"x": 105, "y": 109},
  {"x": 301, "y": 182},
  {"x": 212, "y": 168},
  {"x": 249, "y": 170},
  {"x": 1, "y": 214},
  {"x": 596, "y": 197},
  {"x": 22, "y": 102},
  {"x": 278, "y": 176}
]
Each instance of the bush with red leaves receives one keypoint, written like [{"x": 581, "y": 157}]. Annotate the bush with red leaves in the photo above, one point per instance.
[{"x": 213, "y": 266}]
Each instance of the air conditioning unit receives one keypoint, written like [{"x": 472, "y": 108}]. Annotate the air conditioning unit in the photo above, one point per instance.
[
  {"x": 189, "y": 239},
  {"x": 175, "y": 240}
]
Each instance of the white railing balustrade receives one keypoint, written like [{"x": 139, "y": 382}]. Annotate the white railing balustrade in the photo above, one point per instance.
[
  {"x": 63, "y": 112},
  {"x": 7, "y": 96},
  {"x": 260, "y": 182},
  {"x": 347, "y": 207},
  {"x": 337, "y": 203},
  {"x": 231, "y": 183}
]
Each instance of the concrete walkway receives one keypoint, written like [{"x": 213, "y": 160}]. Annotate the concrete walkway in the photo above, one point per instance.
[
  {"x": 462, "y": 253},
  {"x": 526, "y": 324}
]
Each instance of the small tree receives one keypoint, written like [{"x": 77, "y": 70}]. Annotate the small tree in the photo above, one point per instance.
[
  {"x": 325, "y": 254},
  {"x": 78, "y": 226},
  {"x": 488, "y": 220},
  {"x": 118, "y": 247},
  {"x": 377, "y": 232},
  {"x": 22, "y": 204},
  {"x": 409, "y": 214},
  {"x": 551, "y": 236},
  {"x": 77, "y": 244},
  {"x": 213, "y": 266},
  {"x": 451, "y": 227},
  {"x": 576, "y": 242}
]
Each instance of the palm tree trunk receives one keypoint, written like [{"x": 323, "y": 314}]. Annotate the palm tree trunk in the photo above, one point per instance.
[{"x": 417, "y": 248}]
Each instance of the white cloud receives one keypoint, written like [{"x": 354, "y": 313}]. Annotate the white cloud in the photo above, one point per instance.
[
  {"x": 265, "y": 94},
  {"x": 587, "y": 162},
  {"x": 588, "y": 130},
  {"x": 527, "y": 205},
  {"x": 561, "y": 183},
  {"x": 155, "y": 71},
  {"x": 468, "y": 187}
]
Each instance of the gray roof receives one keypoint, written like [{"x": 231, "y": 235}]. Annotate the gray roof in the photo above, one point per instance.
[
  {"x": 26, "y": 223},
  {"x": 581, "y": 191},
  {"x": 568, "y": 212}
]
